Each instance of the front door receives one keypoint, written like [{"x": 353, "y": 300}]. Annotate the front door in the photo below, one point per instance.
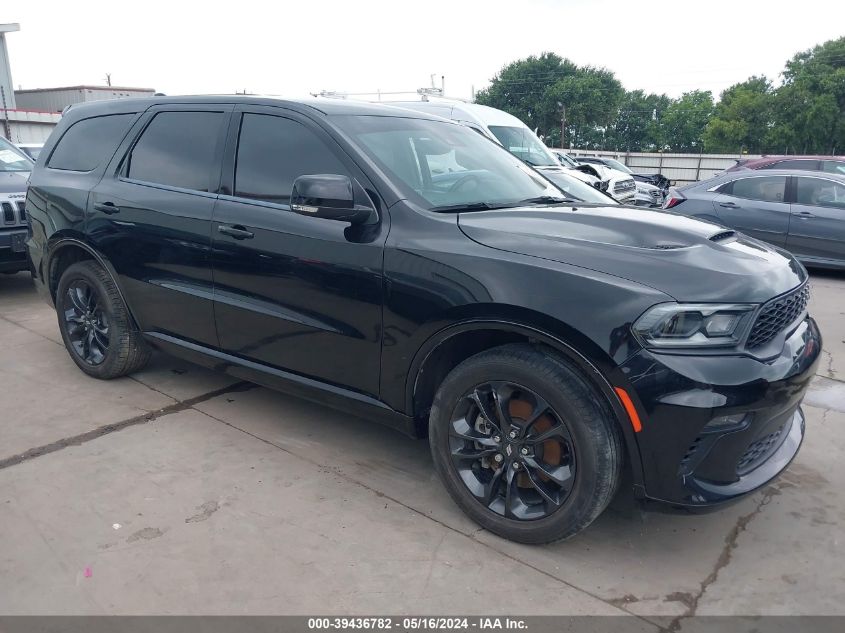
[
  {"x": 755, "y": 205},
  {"x": 817, "y": 229},
  {"x": 298, "y": 293}
]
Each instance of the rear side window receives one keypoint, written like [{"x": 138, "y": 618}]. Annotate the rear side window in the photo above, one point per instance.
[
  {"x": 177, "y": 149},
  {"x": 766, "y": 189},
  {"x": 88, "y": 143},
  {"x": 819, "y": 192},
  {"x": 805, "y": 165},
  {"x": 273, "y": 152}
]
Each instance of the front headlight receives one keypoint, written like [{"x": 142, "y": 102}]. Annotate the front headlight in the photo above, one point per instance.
[{"x": 678, "y": 325}]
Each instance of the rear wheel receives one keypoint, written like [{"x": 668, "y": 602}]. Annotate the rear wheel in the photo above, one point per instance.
[
  {"x": 95, "y": 324},
  {"x": 524, "y": 444}
]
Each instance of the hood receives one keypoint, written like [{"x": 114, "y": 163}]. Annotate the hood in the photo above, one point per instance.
[
  {"x": 688, "y": 259},
  {"x": 13, "y": 181}
]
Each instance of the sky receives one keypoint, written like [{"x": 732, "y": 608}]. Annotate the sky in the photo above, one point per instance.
[{"x": 356, "y": 46}]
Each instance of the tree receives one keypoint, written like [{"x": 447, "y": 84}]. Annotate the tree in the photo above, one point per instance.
[
  {"x": 809, "y": 108},
  {"x": 742, "y": 119},
  {"x": 636, "y": 128},
  {"x": 537, "y": 89},
  {"x": 684, "y": 121}
]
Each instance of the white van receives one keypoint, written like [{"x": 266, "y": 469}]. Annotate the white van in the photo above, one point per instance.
[{"x": 511, "y": 133}]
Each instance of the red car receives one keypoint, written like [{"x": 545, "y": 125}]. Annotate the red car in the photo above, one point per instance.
[{"x": 830, "y": 164}]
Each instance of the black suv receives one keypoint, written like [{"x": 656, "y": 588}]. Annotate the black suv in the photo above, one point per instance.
[{"x": 407, "y": 269}]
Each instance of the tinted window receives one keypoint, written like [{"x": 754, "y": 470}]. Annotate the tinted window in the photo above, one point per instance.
[
  {"x": 767, "y": 189},
  {"x": 177, "y": 149},
  {"x": 273, "y": 152},
  {"x": 834, "y": 166},
  {"x": 805, "y": 165},
  {"x": 819, "y": 192},
  {"x": 88, "y": 143}
]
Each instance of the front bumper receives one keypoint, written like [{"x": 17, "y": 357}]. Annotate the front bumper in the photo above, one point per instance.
[
  {"x": 12, "y": 259},
  {"x": 719, "y": 427}
]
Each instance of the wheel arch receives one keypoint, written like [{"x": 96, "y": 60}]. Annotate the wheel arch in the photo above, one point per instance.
[
  {"x": 66, "y": 251},
  {"x": 453, "y": 344}
]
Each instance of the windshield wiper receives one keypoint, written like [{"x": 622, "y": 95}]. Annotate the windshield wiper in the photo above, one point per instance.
[
  {"x": 546, "y": 200},
  {"x": 470, "y": 206}
]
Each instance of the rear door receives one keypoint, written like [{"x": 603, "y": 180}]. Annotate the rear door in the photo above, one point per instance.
[
  {"x": 151, "y": 216},
  {"x": 817, "y": 229},
  {"x": 755, "y": 205}
]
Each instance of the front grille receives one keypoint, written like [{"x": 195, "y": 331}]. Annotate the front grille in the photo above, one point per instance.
[
  {"x": 759, "y": 451},
  {"x": 624, "y": 186},
  {"x": 22, "y": 212},
  {"x": 8, "y": 213},
  {"x": 657, "y": 197},
  {"x": 777, "y": 314}
]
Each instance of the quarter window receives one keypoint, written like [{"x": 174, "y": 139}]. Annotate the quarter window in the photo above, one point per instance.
[
  {"x": 177, "y": 149},
  {"x": 766, "y": 189},
  {"x": 819, "y": 192},
  {"x": 88, "y": 143},
  {"x": 273, "y": 152}
]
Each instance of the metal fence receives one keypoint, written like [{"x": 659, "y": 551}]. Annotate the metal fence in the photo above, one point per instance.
[{"x": 679, "y": 168}]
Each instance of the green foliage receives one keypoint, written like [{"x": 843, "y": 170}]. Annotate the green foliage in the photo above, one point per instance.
[{"x": 804, "y": 115}]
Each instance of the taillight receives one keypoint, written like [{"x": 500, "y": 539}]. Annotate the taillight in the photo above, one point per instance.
[{"x": 673, "y": 201}]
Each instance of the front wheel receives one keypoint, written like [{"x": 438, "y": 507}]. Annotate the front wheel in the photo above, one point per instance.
[
  {"x": 95, "y": 325},
  {"x": 524, "y": 444}
]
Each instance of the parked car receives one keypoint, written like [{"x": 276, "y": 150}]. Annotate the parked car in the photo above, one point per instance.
[
  {"x": 540, "y": 344},
  {"x": 14, "y": 170},
  {"x": 648, "y": 195},
  {"x": 619, "y": 184},
  {"x": 578, "y": 190},
  {"x": 800, "y": 211},
  {"x": 592, "y": 170},
  {"x": 501, "y": 127},
  {"x": 658, "y": 180},
  {"x": 829, "y": 164}
]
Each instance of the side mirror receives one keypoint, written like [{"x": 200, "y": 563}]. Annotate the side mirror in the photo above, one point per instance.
[{"x": 332, "y": 197}]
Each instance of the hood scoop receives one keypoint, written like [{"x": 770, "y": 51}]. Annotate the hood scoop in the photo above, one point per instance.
[{"x": 722, "y": 236}]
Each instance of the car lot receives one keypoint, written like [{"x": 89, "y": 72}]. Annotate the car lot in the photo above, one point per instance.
[{"x": 179, "y": 490}]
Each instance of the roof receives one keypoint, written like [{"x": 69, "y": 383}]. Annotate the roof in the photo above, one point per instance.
[
  {"x": 462, "y": 111},
  {"x": 773, "y": 157},
  {"x": 329, "y": 107},
  {"x": 106, "y": 88}
]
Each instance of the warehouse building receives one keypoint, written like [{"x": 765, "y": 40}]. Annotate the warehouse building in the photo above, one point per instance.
[{"x": 57, "y": 99}]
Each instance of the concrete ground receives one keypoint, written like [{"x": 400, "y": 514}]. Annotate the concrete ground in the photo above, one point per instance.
[{"x": 179, "y": 491}]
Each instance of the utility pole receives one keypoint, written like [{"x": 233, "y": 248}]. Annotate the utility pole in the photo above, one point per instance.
[
  {"x": 563, "y": 128},
  {"x": 108, "y": 79}
]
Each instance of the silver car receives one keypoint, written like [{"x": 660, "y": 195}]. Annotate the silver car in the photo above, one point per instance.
[{"x": 800, "y": 211}]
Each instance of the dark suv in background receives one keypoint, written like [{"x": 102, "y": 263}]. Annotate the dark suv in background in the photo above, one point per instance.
[
  {"x": 14, "y": 170},
  {"x": 541, "y": 342}
]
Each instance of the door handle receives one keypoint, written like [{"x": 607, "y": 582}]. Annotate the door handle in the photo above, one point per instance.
[
  {"x": 109, "y": 208},
  {"x": 729, "y": 205},
  {"x": 805, "y": 215},
  {"x": 236, "y": 231}
]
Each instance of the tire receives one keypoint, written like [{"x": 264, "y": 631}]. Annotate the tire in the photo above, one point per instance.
[
  {"x": 578, "y": 478},
  {"x": 115, "y": 348}
]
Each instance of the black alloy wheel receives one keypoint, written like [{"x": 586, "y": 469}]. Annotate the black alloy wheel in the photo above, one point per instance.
[
  {"x": 512, "y": 450},
  {"x": 86, "y": 322}
]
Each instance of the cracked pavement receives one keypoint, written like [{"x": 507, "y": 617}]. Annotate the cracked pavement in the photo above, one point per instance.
[{"x": 182, "y": 491}]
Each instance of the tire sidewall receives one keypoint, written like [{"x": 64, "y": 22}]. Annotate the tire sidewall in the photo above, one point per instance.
[
  {"x": 579, "y": 509},
  {"x": 116, "y": 318}
]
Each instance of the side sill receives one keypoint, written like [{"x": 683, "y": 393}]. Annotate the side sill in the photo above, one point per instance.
[{"x": 333, "y": 396}]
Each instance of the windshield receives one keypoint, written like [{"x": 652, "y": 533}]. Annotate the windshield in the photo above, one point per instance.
[
  {"x": 12, "y": 159},
  {"x": 440, "y": 164},
  {"x": 566, "y": 160},
  {"x": 577, "y": 189},
  {"x": 524, "y": 144},
  {"x": 615, "y": 164}
]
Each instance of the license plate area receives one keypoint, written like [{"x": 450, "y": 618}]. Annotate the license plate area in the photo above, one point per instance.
[{"x": 18, "y": 242}]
